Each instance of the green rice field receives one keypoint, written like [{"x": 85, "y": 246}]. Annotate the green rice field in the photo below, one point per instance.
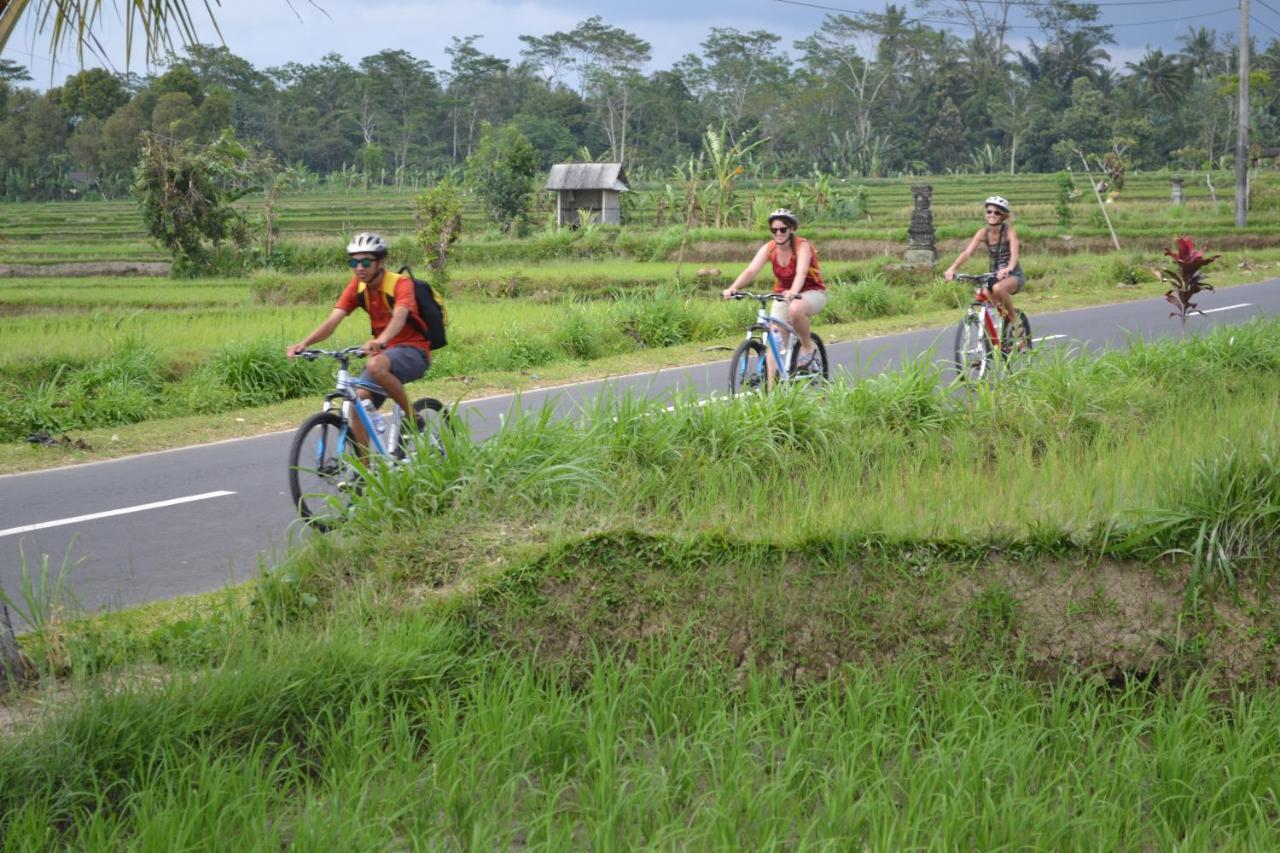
[{"x": 870, "y": 210}]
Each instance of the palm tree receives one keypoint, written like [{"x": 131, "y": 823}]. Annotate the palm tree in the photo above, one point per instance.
[
  {"x": 1160, "y": 76},
  {"x": 74, "y": 21},
  {"x": 1200, "y": 51},
  {"x": 1081, "y": 55}
]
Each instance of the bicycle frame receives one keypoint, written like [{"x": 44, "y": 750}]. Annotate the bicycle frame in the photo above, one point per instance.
[
  {"x": 988, "y": 316},
  {"x": 765, "y": 324},
  {"x": 345, "y": 391},
  {"x": 982, "y": 302}
]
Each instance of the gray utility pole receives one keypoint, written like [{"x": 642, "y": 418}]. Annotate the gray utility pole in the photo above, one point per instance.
[{"x": 1242, "y": 125}]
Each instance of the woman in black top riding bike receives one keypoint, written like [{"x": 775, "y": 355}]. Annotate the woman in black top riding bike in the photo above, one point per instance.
[{"x": 1002, "y": 246}]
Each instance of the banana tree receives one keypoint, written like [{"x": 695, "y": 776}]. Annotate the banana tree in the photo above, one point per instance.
[{"x": 727, "y": 162}]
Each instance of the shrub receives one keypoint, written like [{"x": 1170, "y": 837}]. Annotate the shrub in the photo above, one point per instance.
[
  {"x": 123, "y": 387},
  {"x": 949, "y": 294},
  {"x": 514, "y": 349},
  {"x": 203, "y": 393},
  {"x": 581, "y": 335},
  {"x": 258, "y": 373},
  {"x": 501, "y": 170},
  {"x": 867, "y": 299},
  {"x": 658, "y": 319},
  {"x": 1129, "y": 270}
]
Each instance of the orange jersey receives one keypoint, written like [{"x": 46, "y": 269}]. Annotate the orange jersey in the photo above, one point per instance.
[{"x": 380, "y": 312}]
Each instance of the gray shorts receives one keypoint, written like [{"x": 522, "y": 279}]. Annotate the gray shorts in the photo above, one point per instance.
[
  {"x": 407, "y": 364},
  {"x": 1016, "y": 275}
]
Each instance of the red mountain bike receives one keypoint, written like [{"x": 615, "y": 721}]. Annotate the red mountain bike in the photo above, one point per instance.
[{"x": 983, "y": 332}]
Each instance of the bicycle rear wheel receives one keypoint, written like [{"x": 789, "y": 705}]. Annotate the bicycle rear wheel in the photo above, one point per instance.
[
  {"x": 818, "y": 370},
  {"x": 1015, "y": 336},
  {"x": 322, "y": 478},
  {"x": 432, "y": 420},
  {"x": 747, "y": 368},
  {"x": 972, "y": 349}
]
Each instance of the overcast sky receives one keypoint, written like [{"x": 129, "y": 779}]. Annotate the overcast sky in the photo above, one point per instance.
[{"x": 274, "y": 32}]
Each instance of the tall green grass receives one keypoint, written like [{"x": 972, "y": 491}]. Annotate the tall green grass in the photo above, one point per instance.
[
  {"x": 1083, "y": 446},
  {"x": 129, "y": 384},
  {"x": 400, "y": 685},
  {"x": 412, "y": 732}
]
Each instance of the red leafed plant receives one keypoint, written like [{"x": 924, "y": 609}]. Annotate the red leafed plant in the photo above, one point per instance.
[{"x": 1187, "y": 277}]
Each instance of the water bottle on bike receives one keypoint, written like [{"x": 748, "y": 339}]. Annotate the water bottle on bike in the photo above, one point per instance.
[{"x": 379, "y": 422}]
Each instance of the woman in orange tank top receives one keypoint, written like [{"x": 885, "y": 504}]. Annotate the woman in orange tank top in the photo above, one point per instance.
[{"x": 796, "y": 274}]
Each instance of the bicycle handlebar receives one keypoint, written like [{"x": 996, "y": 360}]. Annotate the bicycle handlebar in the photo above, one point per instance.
[
  {"x": 760, "y": 297},
  {"x": 986, "y": 279},
  {"x": 349, "y": 352}
]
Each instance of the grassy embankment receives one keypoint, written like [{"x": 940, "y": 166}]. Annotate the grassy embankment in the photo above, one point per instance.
[{"x": 601, "y": 634}]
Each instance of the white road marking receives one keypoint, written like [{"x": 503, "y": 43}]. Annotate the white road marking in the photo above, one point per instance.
[
  {"x": 1225, "y": 308},
  {"x": 1047, "y": 338},
  {"x": 27, "y": 528},
  {"x": 701, "y": 401}
]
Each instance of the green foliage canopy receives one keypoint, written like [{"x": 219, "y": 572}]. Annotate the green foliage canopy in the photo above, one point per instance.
[
  {"x": 501, "y": 172},
  {"x": 186, "y": 192}
]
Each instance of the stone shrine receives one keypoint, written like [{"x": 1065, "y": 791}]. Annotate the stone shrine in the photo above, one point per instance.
[{"x": 922, "y": 249}]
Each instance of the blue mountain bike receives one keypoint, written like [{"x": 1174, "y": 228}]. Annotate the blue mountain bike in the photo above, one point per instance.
[
  {"x": 748, "y": 369},
  {"x": 325, "y": 464}
]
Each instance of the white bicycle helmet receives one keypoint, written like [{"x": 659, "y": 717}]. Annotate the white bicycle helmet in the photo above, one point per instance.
[
  {"x": 786, "y": 216},
  {"x": 367, "y": 242},
  {"x": 997, "y": 201}
]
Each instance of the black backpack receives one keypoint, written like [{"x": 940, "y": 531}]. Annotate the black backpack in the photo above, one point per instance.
[{"x": 431, "y": 309}]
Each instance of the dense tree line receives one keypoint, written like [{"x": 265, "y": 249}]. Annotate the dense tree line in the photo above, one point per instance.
[{"x": 867, "y": 94}]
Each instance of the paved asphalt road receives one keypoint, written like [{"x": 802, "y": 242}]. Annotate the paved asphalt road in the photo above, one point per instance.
[{"x": 191, "y": 520}]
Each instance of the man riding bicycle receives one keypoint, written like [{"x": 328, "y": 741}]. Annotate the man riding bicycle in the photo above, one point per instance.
[
  {"x": 1003, "y": 251},
  {"x": 398, "y": 352}
]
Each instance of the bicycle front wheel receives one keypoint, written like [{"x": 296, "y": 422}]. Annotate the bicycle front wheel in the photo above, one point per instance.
[
  {"x": 747, "y": 368},
  {"x": 1015, "y": 336},
  {"x": 972, "y": 350},
  {"x": 322, "y": 480},
  {"x": 432, "y": 420},
  {"x": 817, "y": 371}
]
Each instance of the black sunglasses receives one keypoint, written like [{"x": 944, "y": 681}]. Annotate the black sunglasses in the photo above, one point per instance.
[
  {"x": 991, "y": 210},
  {"x": 783, "y": 230},
  {"x": 361, "y": 262}
]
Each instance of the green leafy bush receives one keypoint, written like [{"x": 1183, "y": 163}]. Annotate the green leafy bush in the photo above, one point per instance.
[
  {"x": 584, "y": 334},
  {"x": 659, "y": 319},
  {"x": 258, "y": 373},
  {"x": 867, "y": 299}
]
